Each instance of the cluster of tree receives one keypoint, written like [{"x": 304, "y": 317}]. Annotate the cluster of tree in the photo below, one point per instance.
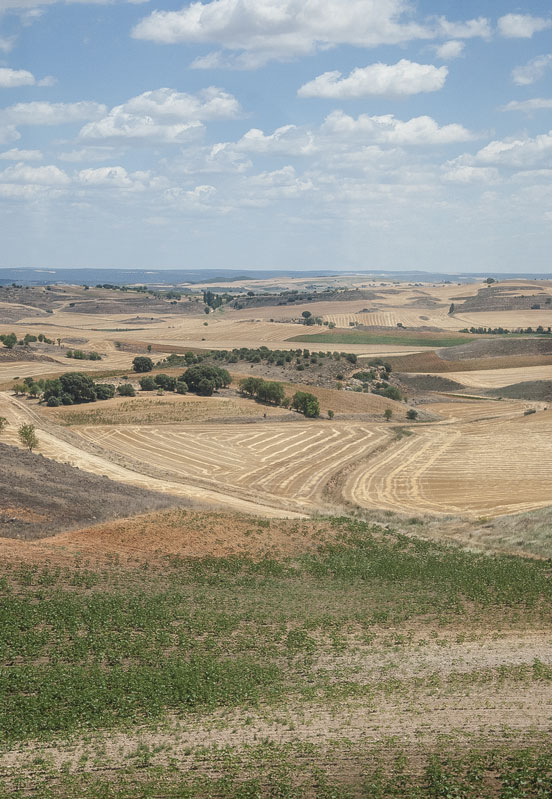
[
  {"x": 499, "y": 331},
  {"x": 187, "y": 359},
  {"x": 68, "y": 389},
  {"x": 9, "y": 340},
  {"x": 278, "y": 357},
  {"x": 204, "y": 379},
  {"x": 306, "y": 403},
  {"x": 80, "y": 355},
  {"x": 214, "y": 301},
  {"x": 264, "y": 390},
  {"x": 163, "y": 382},
  {"x": 310, "y": 319}
]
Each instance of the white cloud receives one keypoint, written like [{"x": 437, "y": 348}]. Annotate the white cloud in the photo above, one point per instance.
[
  {"x": 449, "y": 50},
  {"x": 36, "y": 175},
  {"x": 471, "y": 174},
  {"x": 262, "y": 30},
  {"x": 532, "y": 71},
  {"x": 87, "y": 154},
  {"x": 528, "y": 106},
  {"x": 163, "y": 115},
  {"x": 8, "y": 133},
  {"x": 44, "y": 113},
  {"x": 403, "y": 78},
  {"x": 21, "y": 155},
  {"x": 390, "y": 130},
  {"x": 287, "y": 140},
  {"x": 115, "y": 177},
  {"x": 521, "y": 26},
  {"x": 516, "y": 153},
  {"x": 11, "y": 78}
]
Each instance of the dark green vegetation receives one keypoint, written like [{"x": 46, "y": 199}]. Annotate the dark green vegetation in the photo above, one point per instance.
[
  {"x": 263, "y": 390},
  {"x": 95, "y": 648},
  {"x": 260, "y": 355},
  {"x": 74, "y": 388},
  {"x": 80, "y": 355},
  {"x": 365, "y": 337}
]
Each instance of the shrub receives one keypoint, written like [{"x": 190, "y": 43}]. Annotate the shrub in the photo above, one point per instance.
[
  {"x": 105, "y": 391},
  {"x": 205, "y": 387},
  {"x": 181, "y": 387},
  {"x": 147, "y": 384},
  {"x": 54, "y": 402},
  {"x": 142, "y": 364},
  {"x": 412, "y": 414},
  {"x": 126, "y": 390},
  {"x": 66, "y": 399}
]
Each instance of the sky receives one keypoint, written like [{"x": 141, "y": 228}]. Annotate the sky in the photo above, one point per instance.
[{"x": 276, "y": 134}]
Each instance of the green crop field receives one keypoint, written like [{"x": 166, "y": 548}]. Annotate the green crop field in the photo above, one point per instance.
[
  {"x": 395, "y": 339},
  {"x": 360, "y": 669}
]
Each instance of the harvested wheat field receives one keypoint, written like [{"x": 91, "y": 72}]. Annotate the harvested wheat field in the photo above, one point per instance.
[
  {"x": 496, "y": 378},
  {"x": 486, "y": 467}
]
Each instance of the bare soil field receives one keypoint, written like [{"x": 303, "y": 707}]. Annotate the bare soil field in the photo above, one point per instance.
[{"x": 40, "y": 497}]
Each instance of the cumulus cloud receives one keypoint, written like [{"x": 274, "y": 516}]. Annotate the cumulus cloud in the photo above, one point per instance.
[
  {"x": 36, "y": 175},
  {"x": 449, "y": 50},
  {"x": 471, "y": 174},
  {"x": 44, "y": 113},
  {"x": 163, "y": 115},
  {"x": 388, "y": 129},
  {"x": 287, "y": 140},
  {"x": 21, "y": 155},
  {"x": 521, "y": 26},
  {"x": 532, "y": 71},
  {"x": 403, "y": 78},
  {"x": 115, "y": 177},
  {"x": 516, "y": 153},
  {"x": 11, "y": 78},
  {"x": 528, "y": 106},
  {"x": 281, "y": 29}
]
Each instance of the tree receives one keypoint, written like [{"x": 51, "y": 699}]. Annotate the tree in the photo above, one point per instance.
[
  {"x": 412, "y": 414},
  {"x": 126, "y": 390},
  {"x": 181, "y": 387},
  {"x": 165, "y": 382},
  {"x": 9, "y": 340},
  {"x": 147, "y": 384},
  {"x": 79, "y": 386},
  {"x": 27, "y": 436},
  {"x": 306, "y": 403},
  {"x": 3, "y": 423},
  {"x": 142, "y": 364},
  {"x": 104, "y": 391},
  {"x": 388, "y": 413},
  {"x": 452, "y": 307},
  {"x": 193, "y": 376},
  {"x": 205, "y": 387},
  {"x": 330, "y": 414}
]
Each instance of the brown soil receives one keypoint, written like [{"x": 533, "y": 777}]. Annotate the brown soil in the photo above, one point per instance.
[{"x": 41, "y": 497}]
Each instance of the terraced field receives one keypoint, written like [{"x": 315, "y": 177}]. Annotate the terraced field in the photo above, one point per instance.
[{"x": 487, "y": 467}]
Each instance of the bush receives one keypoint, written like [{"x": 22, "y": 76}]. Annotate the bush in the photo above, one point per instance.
[
  {"x": 412, "y": 414},
  {"x": 181, "y": 387},
  {"x": 105, "y": 391},
  {"x": 147, "y": 384},
  {"x": 142, "y": 364},
  {"x": 54, "y": 402},
  {"x": 126, "y": 390},
  {"x": 165, "y": 382},
  {"x": 66, "y": 399}
]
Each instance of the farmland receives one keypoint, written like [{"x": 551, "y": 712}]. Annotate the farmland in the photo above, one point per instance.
[{"x": 213, "y": 596}]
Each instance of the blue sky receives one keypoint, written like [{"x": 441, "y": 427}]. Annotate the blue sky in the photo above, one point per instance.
[{"x": 300, "y": 134}]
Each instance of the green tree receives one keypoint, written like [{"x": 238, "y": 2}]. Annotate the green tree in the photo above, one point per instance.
[
  {"x": 3, "y": 423},
  {"x": 80, "y": 387},
  {"x": 126, "y": 390},
  {"x": 388, "y": 413},
  {"x": 27, "y": 436},
  {"x": 9, "y": 340},
  {"x": 412, "y": 414},
  {"x": 104, "y": 391},
  {"x": 306, "y": 403},
  {"x": 165, "y": 382},
  {"x": 193, "y": 376},
  {"x": 331, "y": 414},
  {"x": 147, "y": 383},
  {"x": 142, "y": 364}
]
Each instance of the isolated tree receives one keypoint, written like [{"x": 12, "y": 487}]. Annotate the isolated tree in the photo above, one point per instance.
[
  {"x": 27, "y": 436},
  {"x": 9, "y": 340},
  {"x": 388, "y": 413},
  {"x": 412, "y": 414},
  {"x": 330, "y": 414},
  {"x": 3, "y": 424},
  {"x": 193, "y": 377},
  {"x": 306, "y": 403},
  {"x": 452, "y": 308},
  {"x": 142, "y": 364}
]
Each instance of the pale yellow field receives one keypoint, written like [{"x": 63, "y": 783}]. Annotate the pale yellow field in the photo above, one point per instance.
[
  {"x": 496, "y": 378},
  {"x": 481, "y": 468}
]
